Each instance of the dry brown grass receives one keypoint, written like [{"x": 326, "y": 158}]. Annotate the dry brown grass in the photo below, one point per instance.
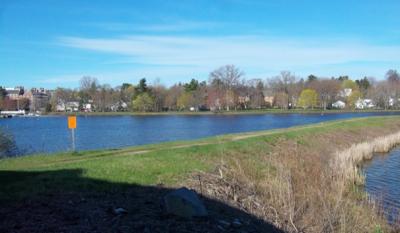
[
  {"x": 304, "y": 187},
  {"x": 347, "y": 161}
]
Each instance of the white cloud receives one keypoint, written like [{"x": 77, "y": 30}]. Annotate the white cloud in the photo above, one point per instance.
[
  {"x": 182, "y": 56},
  {"x": 180, "y": 50}
]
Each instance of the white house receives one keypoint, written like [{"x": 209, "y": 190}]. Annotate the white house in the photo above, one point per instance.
[
  {"x": 392, "y": 101},
  {"x": 60, "y": 107},
  {"x": 364, "y": 103},
  {"x": 339, "y": 104},
  {"x": 345, "y": 92},
  {"x": 72, "y": 106},
  {"x": 368, "y": 103},
  {"x": 121, "y": 105},
  {"x": 87, "y": 107}
]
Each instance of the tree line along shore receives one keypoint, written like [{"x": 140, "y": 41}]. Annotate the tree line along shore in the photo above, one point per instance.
[
  {"x": 237, "y": 112},
  {"x": 226, "y": 90},
  {"x": 293, "y": 180}
]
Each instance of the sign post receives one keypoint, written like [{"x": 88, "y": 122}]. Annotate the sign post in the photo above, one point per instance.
[{"x": 72, "y": 127}]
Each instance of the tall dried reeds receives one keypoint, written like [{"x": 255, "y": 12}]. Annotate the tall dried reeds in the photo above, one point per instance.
[
  {"x": 346, "y": 163},
  {"x": 295, "y": 188}
]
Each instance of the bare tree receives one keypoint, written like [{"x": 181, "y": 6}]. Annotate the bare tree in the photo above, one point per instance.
[
  {"x": 159, "y": 92},
  {"x": 89, "y": 84},
  {"x": 392, "y": 76},
  {"x": 104, "y": 98},
  {"x": 216, "y": 92},
  {"x": 281, "y": 100},
  {"x": 327, "y": 89},
  {"x": 393, "y": 80},
  {"x": 229, "y": 76},
  {"x": 255, "y": 89},
  {"x": 200, "y": 96},
  {"x": 88, "y": 90},
  {"x": 284, "y": 83},
  {"x": 171, "y": 97},
  {"x": 379, "y": 94}
]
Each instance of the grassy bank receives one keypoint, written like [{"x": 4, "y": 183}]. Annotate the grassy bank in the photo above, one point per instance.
[
  {"x": 279, "y": 177},
  {"x": 239, "y": 112}
]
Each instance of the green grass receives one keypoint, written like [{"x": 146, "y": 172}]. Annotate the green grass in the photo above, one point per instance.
[{"x": 165, "y": 163}]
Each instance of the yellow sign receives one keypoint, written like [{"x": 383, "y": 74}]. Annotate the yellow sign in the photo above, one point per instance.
[{"x": 72, "y": 122}]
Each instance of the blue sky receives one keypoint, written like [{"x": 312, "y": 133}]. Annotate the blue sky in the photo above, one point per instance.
[{"x": 48, "y": 43}]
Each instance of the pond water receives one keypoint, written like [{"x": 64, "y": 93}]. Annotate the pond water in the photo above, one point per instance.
[
  {"x": 382, "y": 182},
  {"x": 48, "y": 134}
]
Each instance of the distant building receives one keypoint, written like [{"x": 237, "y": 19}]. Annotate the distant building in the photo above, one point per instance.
[
  {"x": 15, "y": 93},
  {"x": 244, "y": 100},
  {"x": 72, "y": 106},
  {"x": 345, "y": 92},
  {"x": 60, "y": 107},
  {"x": 269, "y": 100},
  {"x": 39, "y": 98},
  {"x": 392, "y": 102},
  {"x": 339, "y": 104},
  {"x": 364, "y": 103},
  {"x": 124, "y": 105},
  {"x": 15, "y": 99},
  {"x": 119, "y": 106},
  {"x": 87, "y": 107}
]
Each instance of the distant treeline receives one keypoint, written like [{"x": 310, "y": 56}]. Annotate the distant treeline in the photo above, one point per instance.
[{"x": 228, "y": 89}]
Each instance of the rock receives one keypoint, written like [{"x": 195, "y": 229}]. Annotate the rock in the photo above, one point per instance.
[
  {"x": 120, "y": 211},
  {"x": 184, "y": 203}
]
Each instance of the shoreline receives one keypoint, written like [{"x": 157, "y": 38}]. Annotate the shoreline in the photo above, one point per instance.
[
  {"x": 245, "y": 112},
  {"x": 350, "y": 159}
]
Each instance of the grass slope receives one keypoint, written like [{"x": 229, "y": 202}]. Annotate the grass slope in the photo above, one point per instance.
[{"x": 169, "y": 163}]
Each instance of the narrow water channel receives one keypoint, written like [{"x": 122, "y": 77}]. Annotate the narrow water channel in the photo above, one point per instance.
[{"x": 383, "y": 182}]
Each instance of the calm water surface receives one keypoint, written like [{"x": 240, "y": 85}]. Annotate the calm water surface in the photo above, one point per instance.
[
  {"x": 383, "y": 182},
  {"x": 49, "y": 134}
]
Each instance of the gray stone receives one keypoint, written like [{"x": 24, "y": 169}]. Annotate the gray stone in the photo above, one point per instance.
[{"x": 184, "y": 203}]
